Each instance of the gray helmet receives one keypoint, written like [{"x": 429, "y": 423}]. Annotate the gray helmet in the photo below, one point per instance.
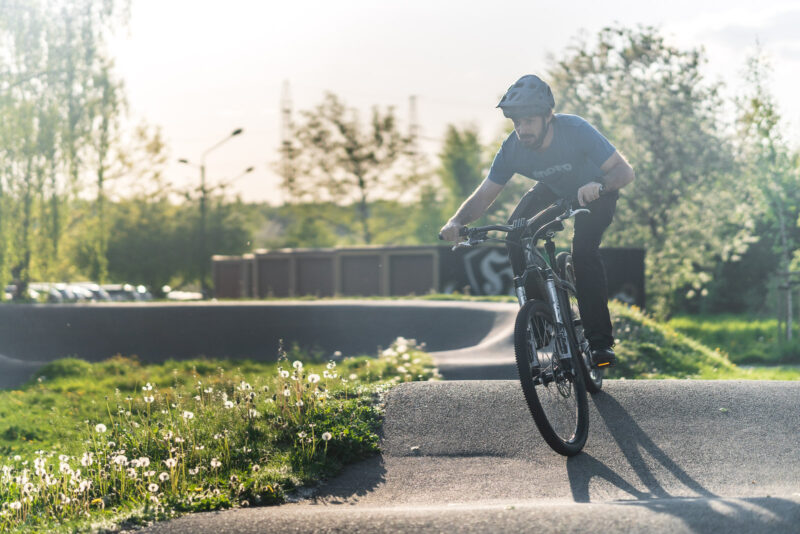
[{"x": 528, "y": 97}]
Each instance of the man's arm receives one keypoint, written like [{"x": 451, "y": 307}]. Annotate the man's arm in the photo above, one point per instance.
[
  {"x": 472, "y": 208},
  {"x": 617, "y": 173}
]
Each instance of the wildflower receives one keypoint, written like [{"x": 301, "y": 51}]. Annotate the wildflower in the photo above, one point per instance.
[
  {"x": 301, "y": 435},
  {"x": 170, "y": 462},
  {"x": 17, "y": 457},
  {"x": 63, "y": 458},
  {"x": 353, "y": 376},
  {"x": 194, "y": 471},
  {"x": 326, "y": 374},
  {"x": 284, "y": 374},
  {"x": 163, "y": 477},
  {"x": 299, "y": 404},
  {"x": 179, "y": 439},
  {"x": 149, "y": 399},
  {"x": 245, "y": 504},
  {"x": 197, "y": 398},
  {"x": 215, "y": 463},
  {"x": 147, "y": 387},
  {"x": 337, "y": 354},
  {"x": 256, "y": 468},
  {"x": 208, "y": 390},
  {"x": 234, "y": 479},
  {"x": 286, "y": 392},
  {"x": 64, "y": 468},
  {"x": 313, "y": 378},
  {"x": 297, "y": 364},
  {"x": 331, "y": 365},
  {"x": 217, "y": 436},
  {"x": 188, "y": 415},
  {"x": 265, "y": 388},
  {"x": 199, "y": 447},
  {"x": 149, "y": 474},
  {"x": 389, "y": 352},
  {"x": 401, "y": 370},
  {"x": 402, "y": 348},
  {"x": 228, "y": 404},
  {"x": 244, "y": 386},
  {"x": 144, "y": 461},
  {"x": 85, "y": 485},
  {"x": 152, "y": 487},
  {"x": 326, "y": 436},
  {"x": 120, "y": 459},
  {"x": 406, "y": 357},
  {"x": 111, "y": 444},
  {"x": 100, "y": 428},
  {"x": 131, "y": 472},
  {"x": 28, "y": 488},
  {"x": 16, "y": 505},
  {"x": 253, "y": 413}
]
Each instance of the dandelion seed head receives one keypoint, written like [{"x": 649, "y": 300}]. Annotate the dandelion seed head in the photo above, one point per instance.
[
  {"x": 215, "y": 463},
  {"x": 284, "y": 374},
  {"x": 152, "y": 487},
  {"x": 163, "y": 476},
  {"x": 326, "y": 436},
  {"x": 297, "y": 364},
  {"x": 313, "y": 378},
  {"x": 100, "y": 428},
  {"x": 188, "y": 415}
]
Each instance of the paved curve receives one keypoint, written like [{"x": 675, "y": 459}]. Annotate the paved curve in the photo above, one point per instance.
[{"x": 662, "y": 456}]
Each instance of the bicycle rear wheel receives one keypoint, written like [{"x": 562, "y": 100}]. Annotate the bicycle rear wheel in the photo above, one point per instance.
[
  {"x": 555, "y": 394},
  {"x": 592, "y": 376}
]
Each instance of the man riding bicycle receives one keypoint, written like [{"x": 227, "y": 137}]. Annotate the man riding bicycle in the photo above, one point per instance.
[{"x": 569, "y": 159}]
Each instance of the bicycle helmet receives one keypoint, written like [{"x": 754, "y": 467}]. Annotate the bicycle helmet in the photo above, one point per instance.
[{"x": 528, "y": 97}]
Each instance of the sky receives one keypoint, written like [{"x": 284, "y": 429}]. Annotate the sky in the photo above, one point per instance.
[{"x": 200, "y": 69}]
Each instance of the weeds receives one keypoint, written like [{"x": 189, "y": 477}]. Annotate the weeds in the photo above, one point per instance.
[{"x": 206, "y": 441}]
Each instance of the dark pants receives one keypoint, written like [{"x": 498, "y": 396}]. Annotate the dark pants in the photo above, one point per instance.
[{"x": 590, "y": 274}]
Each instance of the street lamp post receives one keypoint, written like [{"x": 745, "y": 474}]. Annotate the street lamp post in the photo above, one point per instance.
[{"x": 203, "y": 198}]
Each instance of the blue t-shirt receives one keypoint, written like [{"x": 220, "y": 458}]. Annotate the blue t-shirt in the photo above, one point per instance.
[{"x": 572, "y": 160}]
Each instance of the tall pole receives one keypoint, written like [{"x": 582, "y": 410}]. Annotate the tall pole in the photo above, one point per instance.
[
  {"x": 204, "y": 260},
  {"x": 203, "y": 252}
]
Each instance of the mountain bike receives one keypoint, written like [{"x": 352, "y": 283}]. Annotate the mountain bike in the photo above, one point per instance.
[{"x": 553, "y": 356}]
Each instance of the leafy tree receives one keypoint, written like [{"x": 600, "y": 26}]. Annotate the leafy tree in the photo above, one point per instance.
[
  {"x": 462, "y": 166},
  {"x": 338, "y": 159},
  {"x": 687, "y": 205},
  {"x": 772, "y": 169}
]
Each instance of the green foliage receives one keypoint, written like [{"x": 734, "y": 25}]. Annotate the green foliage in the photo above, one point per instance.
[
  {"x": 462, "y": 166},
  {"x": 687, "y": 206},
  {"x": 747, "y": 340},
  {"x": 147, "y": 442},
  {"x": 337, "y": 159}
]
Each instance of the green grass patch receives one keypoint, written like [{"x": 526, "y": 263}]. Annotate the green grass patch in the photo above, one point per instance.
[
  {"x": 747, "y": 340},
  {"x": 121, "y": 442},
  {"x": 647, "y": 348}
]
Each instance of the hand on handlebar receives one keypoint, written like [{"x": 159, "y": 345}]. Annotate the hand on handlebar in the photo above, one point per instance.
[
  {"x": 589, "y": 193},
  {"x": 451, "y": 231}
]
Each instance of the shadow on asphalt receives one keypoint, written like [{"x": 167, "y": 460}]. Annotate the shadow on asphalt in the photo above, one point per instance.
[
  {"x": 698, "y": 513},
  {"x": 356, "y": 481}
]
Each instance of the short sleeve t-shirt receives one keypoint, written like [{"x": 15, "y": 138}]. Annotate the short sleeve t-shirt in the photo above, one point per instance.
[{"x": 572, "y": 160}]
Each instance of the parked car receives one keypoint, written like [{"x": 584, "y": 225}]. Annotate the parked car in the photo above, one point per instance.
[{"x": 127, "y": 292}]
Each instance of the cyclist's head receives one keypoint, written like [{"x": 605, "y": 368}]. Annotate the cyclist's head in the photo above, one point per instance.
[
  {"x": 530, "y": 96},
  {"x": 529, "y": 103}
]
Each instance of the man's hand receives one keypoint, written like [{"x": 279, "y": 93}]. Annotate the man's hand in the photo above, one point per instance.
[
  {"x": 449, "y": 231},
  {"x": 589, "y": 193}
]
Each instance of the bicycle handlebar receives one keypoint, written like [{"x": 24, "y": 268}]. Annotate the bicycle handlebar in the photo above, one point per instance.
[{"x": 477, "y": 234}]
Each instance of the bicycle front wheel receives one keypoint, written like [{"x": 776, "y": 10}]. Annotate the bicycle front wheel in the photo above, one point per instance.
[{"x": 555, "y": 394}]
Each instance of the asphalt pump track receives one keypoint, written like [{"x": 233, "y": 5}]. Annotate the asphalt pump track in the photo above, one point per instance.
[{"x": 463, "y": 455}]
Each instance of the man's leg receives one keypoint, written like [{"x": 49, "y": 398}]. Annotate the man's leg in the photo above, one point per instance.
[
  {"x": 537, "y": 199},
  {"x": 590, "y": 273}
]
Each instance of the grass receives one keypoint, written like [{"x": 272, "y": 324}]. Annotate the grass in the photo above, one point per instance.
[
  {"x": 115, "y": 442},
  {"x": 647, "y": 348},
  {"x": 747, "y": 340}
]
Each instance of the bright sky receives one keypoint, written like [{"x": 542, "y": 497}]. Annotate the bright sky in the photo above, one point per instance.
[{"x": 201, "y": 69}]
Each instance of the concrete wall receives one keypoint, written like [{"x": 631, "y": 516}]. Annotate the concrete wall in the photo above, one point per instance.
[{"x": 155, "y": 332}]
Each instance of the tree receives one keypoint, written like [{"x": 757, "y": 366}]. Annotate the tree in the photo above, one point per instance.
[
  {"x": 340, "y": 160},
  {"x": 462, "y": 166},
  {"x": 686, "y": 206},
  {"x": 772, "y": 168}
]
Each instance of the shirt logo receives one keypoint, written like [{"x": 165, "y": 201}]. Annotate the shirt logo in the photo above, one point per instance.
[{"x": 566, "y": 167}]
